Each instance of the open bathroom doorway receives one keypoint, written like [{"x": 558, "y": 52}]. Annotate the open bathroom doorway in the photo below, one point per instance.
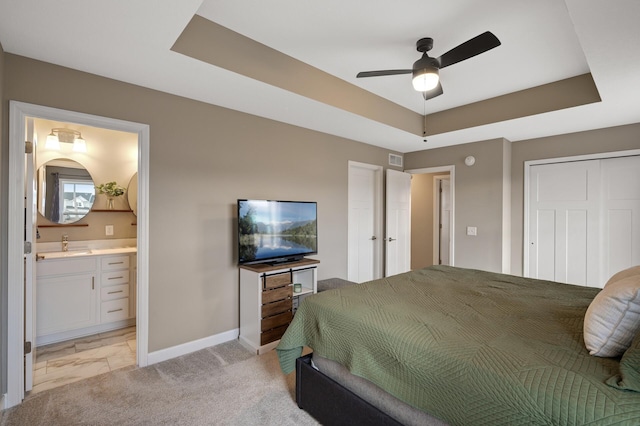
[{"x": 21, "y": 296}]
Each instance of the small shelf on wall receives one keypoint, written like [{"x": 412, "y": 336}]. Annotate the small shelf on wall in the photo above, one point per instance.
[{"x": 62, "y": 225}]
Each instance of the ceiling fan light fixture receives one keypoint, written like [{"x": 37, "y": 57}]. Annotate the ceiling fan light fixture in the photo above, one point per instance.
[{"x": 425, "y": 79}]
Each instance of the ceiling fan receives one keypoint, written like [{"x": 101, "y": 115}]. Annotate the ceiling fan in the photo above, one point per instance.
[{"x": 426, "y": 69}]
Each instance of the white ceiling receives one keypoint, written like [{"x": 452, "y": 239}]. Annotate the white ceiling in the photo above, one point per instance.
[{"x": 542, "y": 42}]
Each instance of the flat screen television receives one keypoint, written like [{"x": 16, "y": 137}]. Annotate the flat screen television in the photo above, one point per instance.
[{"x": 272, "y": 231}]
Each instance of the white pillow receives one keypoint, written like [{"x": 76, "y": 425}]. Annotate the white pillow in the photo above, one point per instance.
[
  {"x": 613, "y": 318},
  {"x": 629, "y": 272}
]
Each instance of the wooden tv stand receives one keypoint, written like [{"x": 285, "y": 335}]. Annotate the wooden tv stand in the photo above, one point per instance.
[{"x": 268, "y": 300}]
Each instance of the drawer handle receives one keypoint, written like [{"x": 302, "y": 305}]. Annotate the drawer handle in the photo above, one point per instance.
[
  {"x": 115, "y": 310},
  {"x": 115, "y": 278},
  {"x": 114, "y": 292},
  {"x": 116, "y": 263}
]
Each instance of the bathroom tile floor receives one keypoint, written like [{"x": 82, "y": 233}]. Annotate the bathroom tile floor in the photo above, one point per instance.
[{"x": 66, "y": 362}]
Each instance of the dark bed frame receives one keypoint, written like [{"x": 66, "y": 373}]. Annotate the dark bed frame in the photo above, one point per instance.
[{"x": 330, "y": 403}]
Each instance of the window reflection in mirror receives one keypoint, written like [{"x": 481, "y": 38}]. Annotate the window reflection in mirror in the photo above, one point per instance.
[{"x": 66, "y": 191}]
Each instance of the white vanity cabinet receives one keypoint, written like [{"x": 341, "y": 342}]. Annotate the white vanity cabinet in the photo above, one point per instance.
[
  {"x": 114, "y": 288},
  {"x": 83, "y": 295},
  {"x": 66, "y": 295}
]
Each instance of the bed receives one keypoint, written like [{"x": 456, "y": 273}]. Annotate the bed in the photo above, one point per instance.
[{"x": 460, "y": 346}]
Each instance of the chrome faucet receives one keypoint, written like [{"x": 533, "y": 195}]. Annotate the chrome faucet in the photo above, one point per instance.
[{"x": 65, "y": 242}]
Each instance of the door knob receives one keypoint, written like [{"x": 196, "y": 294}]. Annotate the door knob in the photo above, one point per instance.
[
  {"x": 374, "y": 238},
  {"x": 391, "y": 239}
]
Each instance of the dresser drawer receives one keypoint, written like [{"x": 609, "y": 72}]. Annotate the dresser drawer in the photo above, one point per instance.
[
  {"x": 114, "y": 292},
  {"x": 276, "y": 321},
  {"x": 115, "y": 262},
  {"x": 274, "y": 308},
  {"x": 274, "y": 295},
  {"x": 114, "y": 310},
  {"x": 277, "y": 280},
  {"x": 114, "y": 277}
]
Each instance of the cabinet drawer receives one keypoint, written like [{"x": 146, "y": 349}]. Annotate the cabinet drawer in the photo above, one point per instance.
[
  {"x": 65, "y": 266},
  {"x": 114, "y": 292},
  {"x": 115, "y": 262},
  {"x": 276, "y": 321},
  {"x": 271, "y": 309},
  {"x": 114, "y": 310},
  {"x": 272, "y": 335},
  {"x": 277, "y": 280},
  {"x": 115, "y": 277},
  {"x": 274, "y": 295}
]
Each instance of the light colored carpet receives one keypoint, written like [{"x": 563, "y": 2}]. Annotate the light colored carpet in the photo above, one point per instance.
[{"x": 221, "y": 385}]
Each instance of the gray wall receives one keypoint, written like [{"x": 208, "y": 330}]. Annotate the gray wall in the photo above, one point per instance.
[
  {"x": 422, "y": 220},
  {"x": 612, "y": 139},
  {"x": 202, "y": 158},
  {"x": 478, "y": 199}
]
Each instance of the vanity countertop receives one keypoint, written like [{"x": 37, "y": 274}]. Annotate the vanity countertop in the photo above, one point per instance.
[
  {"x": 53, "y": 250},
  {"x": 46, "y": 255}
]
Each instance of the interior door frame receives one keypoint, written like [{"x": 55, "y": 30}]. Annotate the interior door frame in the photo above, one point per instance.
[
  {"x": 18, "y": 113},
  {"x": 527, "y": 189},
  {"x": 437, "y": 208},
  {"x": 451, "y": 169}
]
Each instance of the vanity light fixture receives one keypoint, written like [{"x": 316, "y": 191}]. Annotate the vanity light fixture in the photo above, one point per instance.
[{"x": 58, "y": 135}]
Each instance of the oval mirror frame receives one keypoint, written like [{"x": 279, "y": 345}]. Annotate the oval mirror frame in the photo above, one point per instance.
[
  {"x": 66, "y": 191},
  {"x": 132, "y": 193}
]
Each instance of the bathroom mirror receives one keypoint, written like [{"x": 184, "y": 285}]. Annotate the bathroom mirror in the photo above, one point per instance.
[
  {"x": 66, "y": 191},
  {"x": 132, "y": 193}
]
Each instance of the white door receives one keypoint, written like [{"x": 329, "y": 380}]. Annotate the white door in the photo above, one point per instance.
[
  {"x": 620, "y": 214},
  {"x": 564, "y": 203},
  {"x": 584, "y": 219},
  {"x": 30, "y": 197},
  {"x": 364, "y": 223},
  {"x": 398, "y": 253},
  {"x": 445, "y": 221}
]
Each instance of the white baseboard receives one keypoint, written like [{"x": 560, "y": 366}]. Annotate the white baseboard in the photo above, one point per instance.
[
  {"x": 3, "y": 399},
  {"x": 195, "y": 345}
]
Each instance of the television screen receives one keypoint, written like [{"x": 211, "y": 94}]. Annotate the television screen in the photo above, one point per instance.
[{"x": 276, "y": 231}]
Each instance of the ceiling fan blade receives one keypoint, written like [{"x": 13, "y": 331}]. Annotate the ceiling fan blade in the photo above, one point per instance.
[
  {"x": 430, "y": 94},
  {"x": 382, "y": 72},
  {"x": 469, "y": 49}
]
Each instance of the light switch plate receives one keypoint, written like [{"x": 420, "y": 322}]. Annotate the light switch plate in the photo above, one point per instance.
[
  {"x": 472, "y": 230},
  {"x": 108, "y": 230}
]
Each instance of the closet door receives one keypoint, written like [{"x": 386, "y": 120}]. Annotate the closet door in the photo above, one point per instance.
[
  {"x": 564, "y": 221},
  {"x": 620, "y": 214},
  {"x": 584, "y": 219}
]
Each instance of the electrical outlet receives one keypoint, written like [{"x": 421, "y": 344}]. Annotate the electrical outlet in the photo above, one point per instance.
[
  {"x": 472, "y": 230},
  {"x": 108, "y": 230}
]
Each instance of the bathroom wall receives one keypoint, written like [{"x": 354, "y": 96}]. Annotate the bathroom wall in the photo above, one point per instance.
[{"x": 111, "y": 156}]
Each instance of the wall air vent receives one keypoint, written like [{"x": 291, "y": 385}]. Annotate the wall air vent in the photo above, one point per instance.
[{"x": 395, "y": 160}]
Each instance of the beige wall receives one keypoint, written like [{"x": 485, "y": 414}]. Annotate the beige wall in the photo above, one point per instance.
[
  {"x": 111, "y": 156},
  {"x": 203, "y": 158},
  {"x": 612, "y": 139},
  {"x": 478, "y": 199},
  {"x": 422, "y": 220}
]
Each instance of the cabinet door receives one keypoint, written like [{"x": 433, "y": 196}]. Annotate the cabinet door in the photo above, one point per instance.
[{"x": 65, "y": 303}]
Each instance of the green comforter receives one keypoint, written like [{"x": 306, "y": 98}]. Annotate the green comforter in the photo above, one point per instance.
[{"x": 470, "y": 347}]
